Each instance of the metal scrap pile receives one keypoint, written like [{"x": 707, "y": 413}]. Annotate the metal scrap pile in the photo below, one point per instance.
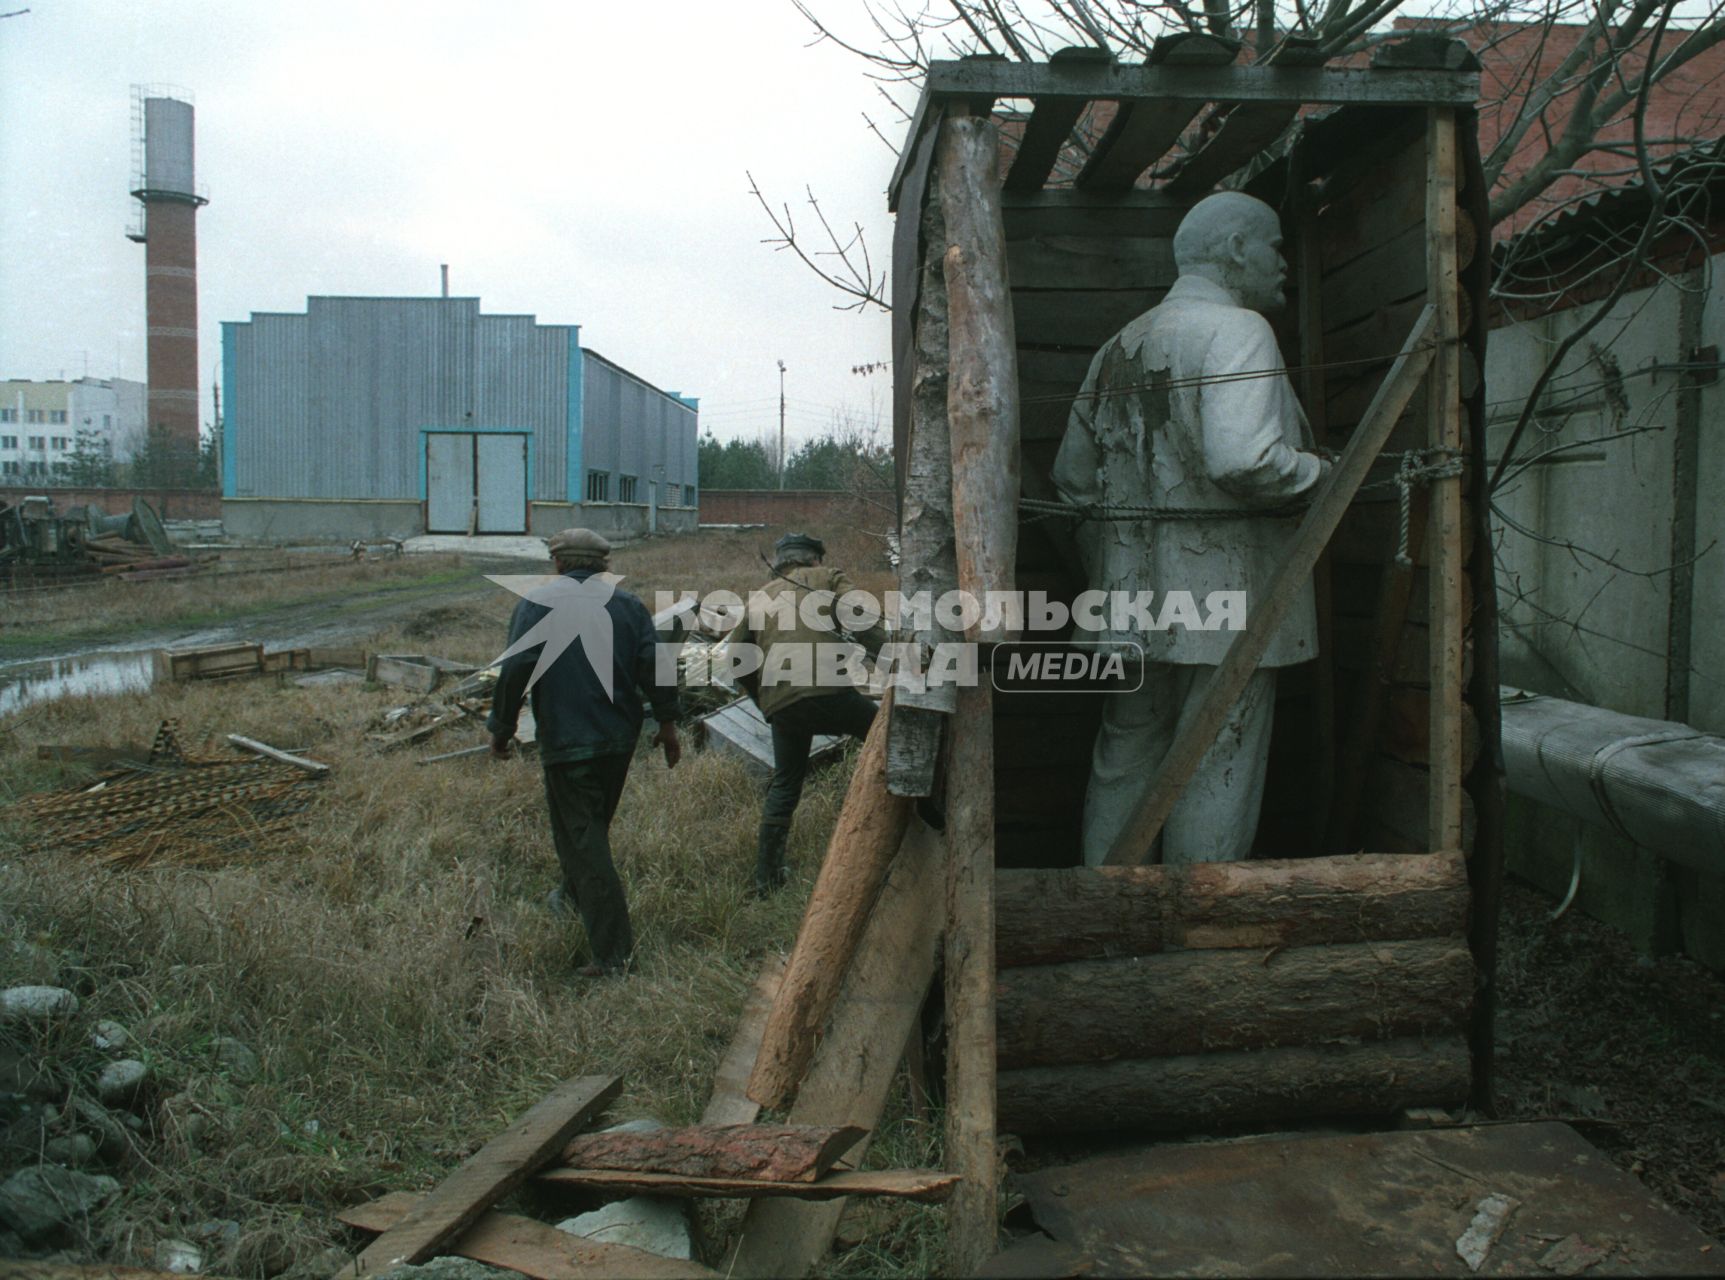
[
  {"x": 176, "y": 809},
  {"x": 35, "y": 543}
]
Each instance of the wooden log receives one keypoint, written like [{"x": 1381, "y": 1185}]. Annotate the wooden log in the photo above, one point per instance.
[
  {"x": 982, "y": 367},
  {"x": 761, "y": 1152},
  {"x": 925, "y": 1186},
  {"x": 1184, "y": 1002},
  {"x": 531, "y": 1247},
  {"x": 488, "y": 1175},
  {"x": 730, "y": 1102},
  {"x": 1045, "y": 917},
  {"x": 870, "y": 828},
  {"x": 1443, "y": 420},
  {"x": 264, "y": 749},
  {"x": 1241, "y": 661},
  {"x": 928, "y": 559},
  {"x": 1213, "y": 1090},
  {"x": 854, "y": 1067},
  {"x": 973, "y": 1221}
]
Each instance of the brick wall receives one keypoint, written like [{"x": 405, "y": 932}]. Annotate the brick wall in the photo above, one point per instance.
[
  {"x": 796, "y": 506},
  {"x": 170, "y": 504}
]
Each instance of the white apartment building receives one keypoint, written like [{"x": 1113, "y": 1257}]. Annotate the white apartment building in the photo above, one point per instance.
[{"x": 40, "y": 421}]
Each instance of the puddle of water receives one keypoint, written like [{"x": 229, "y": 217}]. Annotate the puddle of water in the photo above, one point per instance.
[{"x": 105, "y": 673}]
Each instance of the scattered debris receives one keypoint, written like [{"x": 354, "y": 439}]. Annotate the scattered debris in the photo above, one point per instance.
[
  {"x": 738, "y": 726},
  {"x": 1490, "y": 1217},
  {"x": 275, "y": 753},
  {"x": 1570, "y": 1256},
  {"x": 176, "y": 808},
  {"x": 37, "y": 546},
  {"x": 414, "y": 671},
  {"x": 376, "y": 548},
  {"x": 216, "y": 662}
]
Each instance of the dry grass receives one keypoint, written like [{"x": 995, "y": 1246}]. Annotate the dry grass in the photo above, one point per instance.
[{"x": 394, "y": 969}]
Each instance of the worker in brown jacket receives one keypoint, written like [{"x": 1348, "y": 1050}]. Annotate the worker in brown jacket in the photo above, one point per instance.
[{"x": 794, "y": 686}]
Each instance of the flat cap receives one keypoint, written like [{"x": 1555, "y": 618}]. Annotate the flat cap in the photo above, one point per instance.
[
  {"x": 578, "y": 542},
  {"x": 800, "y": 542}
]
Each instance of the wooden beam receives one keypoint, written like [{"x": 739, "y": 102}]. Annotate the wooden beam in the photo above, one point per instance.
[
  {"x": 1247, "y": 129},
  {"x": 720, "y": 1152},
  {"x": 1237, "y": 667},
  {"x": 857, "y": 1061},
  {"x": 1323, "y": 712},
  {"x": 730, "y": 1102},
  {"x": 982, "y": 368},
  {"x": 274, "y": 753},
  {"x": 1050, "y": 125},
  {"x": 925, "y": 1186},
  {"x": 1444, "y": 526},
  {"x": 532, "y": 1247},
  {"x": 1045, "y": 917},
  {"x": 491, "y": 1173},
  {"x": 973, "y": 1220},
  {"x": 870, "y": 829},
  {"x": 1259, "y": 83}
]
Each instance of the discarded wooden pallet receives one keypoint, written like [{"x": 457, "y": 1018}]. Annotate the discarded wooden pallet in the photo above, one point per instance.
[{"x": 249, "y": 659}]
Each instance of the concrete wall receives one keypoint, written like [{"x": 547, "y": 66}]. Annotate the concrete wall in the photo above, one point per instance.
[
  {"x": 813, "y": 507},
  {"x": 1621, "y": 425},
  {"x": 613, "y": 519},
  {"x": 283, "y": 520}
]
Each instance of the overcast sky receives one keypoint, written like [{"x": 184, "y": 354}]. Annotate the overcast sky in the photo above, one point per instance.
[{"x": 580, "y": 161}]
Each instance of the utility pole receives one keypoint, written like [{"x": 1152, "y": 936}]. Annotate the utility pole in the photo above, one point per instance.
[{"x": 781, "y": 424}]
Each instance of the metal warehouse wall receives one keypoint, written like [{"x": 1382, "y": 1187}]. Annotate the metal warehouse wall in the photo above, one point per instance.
[
  {"x": 629, "y": 428},
  {"x": 330, "y": 404}
]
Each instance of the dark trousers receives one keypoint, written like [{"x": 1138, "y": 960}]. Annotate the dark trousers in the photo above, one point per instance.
[
  {"x": 794, "y": 729},
  {"x": 582, "y": 797}
]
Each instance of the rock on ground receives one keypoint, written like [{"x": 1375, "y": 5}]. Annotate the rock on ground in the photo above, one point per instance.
[
  {"x": 108, "y": 1034},
  {"x": 75, "y": 1149},
  {"x": 120, "y": 1081},
  {"x": 37, "y": 1201},
  {"x": 181, "y": 1257},
  {"x": 654, "y": 1223},
  {"x": 236, "y": 1056},
  {"x": 36, "y": 1004},
  {"x": 448, "y": 1269}
]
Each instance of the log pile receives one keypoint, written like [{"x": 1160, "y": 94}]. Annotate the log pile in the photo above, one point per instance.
[{"x": 1231, "y": 993}]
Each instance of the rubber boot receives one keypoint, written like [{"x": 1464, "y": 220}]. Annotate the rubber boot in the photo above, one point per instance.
[{"x": 771, "y": 873}]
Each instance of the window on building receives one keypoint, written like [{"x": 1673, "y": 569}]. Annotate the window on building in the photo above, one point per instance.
[
  {"x": 36, "y": 468},
  {"x": 672, "y": 494},
  {"x": 625, "y": 488},
  {"x": 34, "y": 415},
  {"x": 107, "y": 421},
  {"x": 10, "y": 469},
  {"x": 8, "y": 442},
  {"x": 38, "y": 442},
  {"x": 598, "y": 486},
  {"x": 8, "y": 415},
  {"x": 56, "y": 415},
  {"x": 61, "y": 442}
]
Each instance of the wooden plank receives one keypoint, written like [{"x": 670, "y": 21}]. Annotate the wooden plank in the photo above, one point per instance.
[
  {"x": 1049, "y": 127},
  {"x": 405, "y": 670},
  {"x": 1392, "y": 272},
  {"x": 1206, "y": 1091},
  {"x": 1142, "y": 132},
  {"x": 1091, "y": 214},
  {"x": 857, "y": 1061},
  {"x": 1321, "y": 753},
  {"x": 1258, "y": 83},
  {"x": 864, "y": 843},
  {"x": 1077, "y": 318},
  {"x": 488, "y": 1175},
  {"x": 730, "y": 1102},
  {"x": 973, "y": 1221},
  {"x": 1090, "y": 262},
  {"x": 1221, "y": 999},
  {"x": 1443, "y": 414},
  {"x": 717, "y": 1152},
  {"x": 1045, "y": 917},
  {"x": 924, "y": 1186},
  {"x": 531, "y": 1247},
  {"x": 1241, "y": 662},
  {"x": 352, "y": 657},
  {"x": 1246, "y": 130},
  {"x": 982, "y": 372},
  {"x": 264, "y": 749},
  {"x": 1376, "y": 195}
]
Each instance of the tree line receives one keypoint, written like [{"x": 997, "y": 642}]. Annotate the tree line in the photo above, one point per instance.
[{"x": 846, "y": 459}]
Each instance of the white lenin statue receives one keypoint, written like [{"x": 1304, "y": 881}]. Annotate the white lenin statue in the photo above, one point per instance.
[{"x": 1189, "y": 407}]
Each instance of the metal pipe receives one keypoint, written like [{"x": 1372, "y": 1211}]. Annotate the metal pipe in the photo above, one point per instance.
[
  {"x": 444, "y": 267},
  {"x": 1656, "y": 783}
]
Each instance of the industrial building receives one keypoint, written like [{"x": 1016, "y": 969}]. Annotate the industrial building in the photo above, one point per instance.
[
  {"x": 40, "y": 422},
  {"x": 387, "y": 417}
]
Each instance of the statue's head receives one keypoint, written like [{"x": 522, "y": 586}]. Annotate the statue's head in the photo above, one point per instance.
[{"x": 1235, "y": 240}]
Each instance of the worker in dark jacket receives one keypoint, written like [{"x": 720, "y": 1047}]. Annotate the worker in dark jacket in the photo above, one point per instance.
[
  {"x": 586, "y": 651},
  {"x": 793, "y": 704}
]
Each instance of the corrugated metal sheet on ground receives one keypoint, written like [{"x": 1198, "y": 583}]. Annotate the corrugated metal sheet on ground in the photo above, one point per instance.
[{"x": 741, "y": 728}]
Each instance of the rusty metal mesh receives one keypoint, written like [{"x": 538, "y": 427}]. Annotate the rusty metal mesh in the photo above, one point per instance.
[{"x": 179, "y": 809}]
